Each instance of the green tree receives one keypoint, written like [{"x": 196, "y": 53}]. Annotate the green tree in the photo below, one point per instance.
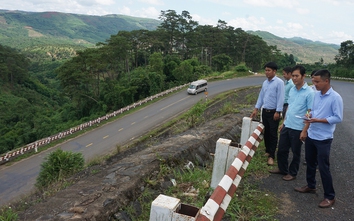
[
  {"x": 13, "y": 66},
  {"x": 184, "y": 72},
  {"x": 221, "y": 62},
  {"x": 345, "y": 55},
  {"x": 170, "y": 26}
]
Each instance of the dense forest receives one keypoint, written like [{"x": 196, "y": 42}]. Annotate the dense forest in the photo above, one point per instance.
[{"x": 41, "y": 98}]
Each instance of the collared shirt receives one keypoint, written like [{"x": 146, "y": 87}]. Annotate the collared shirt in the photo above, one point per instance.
[
  {"x": 288, "y": 85},
  {"x": 300, "y": 101},
  {"x": 329, "y": 106},
  {"x": 271, "y": 95}
]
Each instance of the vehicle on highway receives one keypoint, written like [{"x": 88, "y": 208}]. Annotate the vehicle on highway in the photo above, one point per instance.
[{"x": 197, "y": 86}]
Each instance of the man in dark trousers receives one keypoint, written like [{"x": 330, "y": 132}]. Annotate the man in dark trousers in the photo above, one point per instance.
[
  {"x": 293, "y": 129},
  {"x": 271, "y": 100},
  {"x": 326, "y": 112}
]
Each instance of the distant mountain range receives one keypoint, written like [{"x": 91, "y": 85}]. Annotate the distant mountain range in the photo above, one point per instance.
[
  {"x": 304, "y": 50},
  {"x": 30, "y": 30},
  {"x": 21, "y": 29}
]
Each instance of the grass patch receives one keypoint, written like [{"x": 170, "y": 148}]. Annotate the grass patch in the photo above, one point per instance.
[{"x": 7, "y": 214}]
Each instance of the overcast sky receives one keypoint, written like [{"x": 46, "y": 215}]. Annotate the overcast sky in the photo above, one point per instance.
[{"x": 329, "y": 21}]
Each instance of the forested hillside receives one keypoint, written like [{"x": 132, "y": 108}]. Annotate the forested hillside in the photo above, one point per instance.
[
  {"x": 304, "y": 50},
  {"x": 43, "y": 97},
  {"x": 55, "y": 35}
]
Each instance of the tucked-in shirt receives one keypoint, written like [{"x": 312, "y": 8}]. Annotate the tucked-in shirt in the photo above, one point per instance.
[
  {"x": 288, "y": 85},
  {"x": 271, "y": 95},
  {"x": 330, "y": 107},
  {"x": 300, "y": 101}
]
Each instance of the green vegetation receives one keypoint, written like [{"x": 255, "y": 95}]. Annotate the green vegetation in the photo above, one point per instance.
[
  {"x": 59, "y": 165},
  {"x": 192, "y": 188},
  {"x": 29, "y": 29},
  {"x": 304, "y": 51},
  {"x": 7, "y": 214},
  {"x": 194, "y": 115}
]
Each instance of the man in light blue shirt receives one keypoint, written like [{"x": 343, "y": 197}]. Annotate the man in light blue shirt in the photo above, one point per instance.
[
  {"x": 271, "y": 100},
  {"x": 288, "y": 84},
  {"x": 327, "y": 111},
  {"x": 293, "y": 129}
]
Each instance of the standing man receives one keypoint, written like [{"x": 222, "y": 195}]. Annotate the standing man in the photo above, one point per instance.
[
  {"x": 271, "y": 99},
  {"x": 293, "y": 130},
  {"x": 327, "y": 111},
  {"x": 288, "y": 84}
]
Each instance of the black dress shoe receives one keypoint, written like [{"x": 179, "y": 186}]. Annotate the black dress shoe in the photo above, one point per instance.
[{"x": 305, "y": 189}]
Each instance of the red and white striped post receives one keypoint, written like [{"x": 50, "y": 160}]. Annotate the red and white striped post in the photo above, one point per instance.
[{"x": 215, "y": 207}]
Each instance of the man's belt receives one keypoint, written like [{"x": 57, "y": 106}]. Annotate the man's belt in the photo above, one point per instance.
[{"x": 269, "y": 110}]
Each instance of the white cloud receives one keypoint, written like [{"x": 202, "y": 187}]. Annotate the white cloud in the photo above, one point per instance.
[
  {"x": 296, "y": 26},
  {"x": 272, "y": 3},
  {"x": 203, "y": 20},
  {"x": 149, "y": 12},
  {"x": 87, "y": 3},
  {"x": 249, "y": 23},
  {"x": 153, "y": 2},
  {"x": 105, "y": 2},
  {"x": 333, "y": 2},
  {"x": 124, "y": 10},
  {"x": 341, "y": 35},
  {"x": 280, "y": 22},
  {"x": 303, "y": 11}
]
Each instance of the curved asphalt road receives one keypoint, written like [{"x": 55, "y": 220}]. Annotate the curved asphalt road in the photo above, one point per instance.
[{"x": 19, "y": 178}]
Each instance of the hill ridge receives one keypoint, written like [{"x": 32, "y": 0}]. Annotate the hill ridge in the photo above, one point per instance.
[{"x": 23, "y": 29}]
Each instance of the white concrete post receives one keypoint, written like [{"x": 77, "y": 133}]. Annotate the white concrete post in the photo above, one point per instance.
[
  {"x": 166, "y": 208},
  {"x": 246, "y": 130},
  {"x": 220, "y": 159},
  {"x": 163, "y": 207},
  {"x": 248, "y": 126}
]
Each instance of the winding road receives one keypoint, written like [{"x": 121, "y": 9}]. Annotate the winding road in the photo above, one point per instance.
[{"x": 19, "y": 178}]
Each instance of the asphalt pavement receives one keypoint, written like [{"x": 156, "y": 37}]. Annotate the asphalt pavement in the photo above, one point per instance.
[{"x": 304, "y": 206}]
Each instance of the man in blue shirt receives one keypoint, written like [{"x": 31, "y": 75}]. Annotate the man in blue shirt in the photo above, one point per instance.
[
  {"x": 271, "y": 99},
  {"x": 293, "y": 129},
  {"x": 327, "y": 111},
  {"x": 288, "y": 84}
]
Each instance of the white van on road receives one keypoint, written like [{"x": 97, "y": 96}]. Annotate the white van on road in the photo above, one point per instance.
[{"x": 197, "y": 86}]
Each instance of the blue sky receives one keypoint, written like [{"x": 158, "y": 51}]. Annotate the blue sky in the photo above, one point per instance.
[{"x": 329, "y": 21}]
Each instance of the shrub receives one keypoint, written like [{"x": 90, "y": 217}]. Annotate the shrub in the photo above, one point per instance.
[
  {"x": 59, "y": 165},
  {"x": 241, "y": 68},
  {"x": 195, "y": 114}
]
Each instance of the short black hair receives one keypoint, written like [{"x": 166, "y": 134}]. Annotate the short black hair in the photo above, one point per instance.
[
  {"x": 271, "y": 65},
  {"x": 324, "y": 74},
  {"x": 300, "y": 68},
  {"x": 313, "y": 72},
  {"x": 287, "y": 69}
]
